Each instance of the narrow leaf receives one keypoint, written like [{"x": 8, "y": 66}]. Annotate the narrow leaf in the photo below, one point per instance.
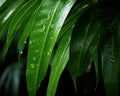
[
  {"x": 25, "y": 34},
  {"x": 59, "y": 63},
  {"x": 16, "y": 21}
]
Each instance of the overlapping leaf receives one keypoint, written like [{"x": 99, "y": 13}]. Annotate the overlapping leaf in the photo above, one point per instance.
[
  {"x": 16, "y": 21},
  {"x": 110, "y": 60},
  {"x": 7, "y": 13},
  {"x": 74, "y": 15},
  {"x": 83, "y": 42},
  {"x": 25, "y": 34},
  {"x": 47, "y": 25},
  {"x": 59, "y": 63}
]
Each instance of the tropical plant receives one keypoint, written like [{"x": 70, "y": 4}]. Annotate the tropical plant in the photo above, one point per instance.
[{"x": 63, "y": 34}]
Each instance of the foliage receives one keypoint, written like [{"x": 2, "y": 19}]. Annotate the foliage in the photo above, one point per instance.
[{"x": 63, "y": 34}]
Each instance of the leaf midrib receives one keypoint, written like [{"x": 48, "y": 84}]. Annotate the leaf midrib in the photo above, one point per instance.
[{"x": 46, "y": 39}]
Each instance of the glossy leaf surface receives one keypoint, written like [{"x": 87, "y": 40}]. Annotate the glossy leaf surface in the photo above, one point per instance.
[
  {"x": 60, "y": 60},
  {"x": 47, "y": 25}
]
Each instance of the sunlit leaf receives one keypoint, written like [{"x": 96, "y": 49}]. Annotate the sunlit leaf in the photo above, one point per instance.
[
  {"x": 7, "y": 14},
  {"x": 16, "y": 21},
  {"x": 47, "y": 25}
]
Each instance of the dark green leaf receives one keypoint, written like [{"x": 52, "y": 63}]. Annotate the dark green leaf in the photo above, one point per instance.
[
  {"x": 83, "y": 43},
  {"x": 110, "y": 60}
]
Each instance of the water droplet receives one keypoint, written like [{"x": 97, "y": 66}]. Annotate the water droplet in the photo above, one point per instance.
[
  {"x": 36, "y": 51},
  {"x": 32, "y": 66},
  {"x": 48, "y": 53},
  {"x": 25, "y": 42},
  {"x": 21, "y": 52},
  {"x": 112, "y": 59},
  {"x": 52, "y": 26},
  {"x": 51, "y": 38},
  {"x": 30, "y": 42},
  {"x": 43, "y": 27},
  {"x": 34, "y": 58}
]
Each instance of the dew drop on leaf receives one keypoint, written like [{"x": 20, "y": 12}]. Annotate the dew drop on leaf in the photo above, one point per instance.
[
  {"x": 112, "y": 60},
  {"x": 48, "y": 53},
  {"x": 25, "y": 42},
  {"x": 52, "y": 26},
  {"x": 51, "y": 38},
  {"x": 36, "y": 51},
  {"x": 30, "y": 42},
  {"x": 34, "y": 58},
  {"x": 21, "y": 52},
  {"x": 43, "y": 27},
  {"x": 32, "y": 66}
]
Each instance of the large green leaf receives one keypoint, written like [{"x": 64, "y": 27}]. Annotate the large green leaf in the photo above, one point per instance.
[
  {"x": 110, "y": 46},
  {"x": 47, "y": 25},
  {"x": 59, "y": 63},
  {"x": 83, "y": 43}
]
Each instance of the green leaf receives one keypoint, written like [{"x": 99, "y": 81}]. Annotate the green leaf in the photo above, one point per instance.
[
  {"x": 83, "y": 43},
  {"x": 74, "y": 15},
  {"x": 110, "y": 46},
  {"x": 95, "y": 59},
  {"x": 25, "y": 34},
  {"x": 16, "y": 21},
  {"x": 59, "y": 63},
  {"x": 47, "y": 25},
  {"x": 7, "y": 14}
]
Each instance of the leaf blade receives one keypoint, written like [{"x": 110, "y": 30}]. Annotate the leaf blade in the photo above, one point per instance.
[
  {"x": 46, "y": 31},
  {"x": 60, "y": 60}
]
